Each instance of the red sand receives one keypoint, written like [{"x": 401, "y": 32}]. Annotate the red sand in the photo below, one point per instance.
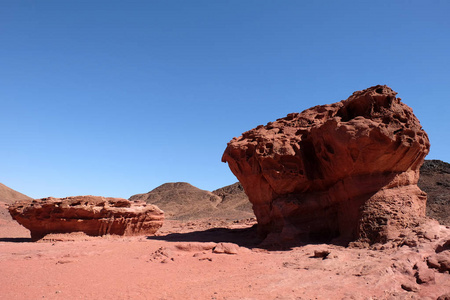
[{"x": 179, "y": 264}]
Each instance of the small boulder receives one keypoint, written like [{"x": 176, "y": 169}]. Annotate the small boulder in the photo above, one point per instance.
[
  {"x": 195, "y": 246},
  {"x": 409, "y": 286},
  {"x": 425, "y": 275},
  {"x": 440, "y": 261},
  {"x": 444, "y": 297},
  {"x": 227, "y": 248},
  {"x": 321, "y": 253}
]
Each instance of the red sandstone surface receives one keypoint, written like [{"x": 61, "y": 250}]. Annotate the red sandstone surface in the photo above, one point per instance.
[{"x": 217, "y": 259}]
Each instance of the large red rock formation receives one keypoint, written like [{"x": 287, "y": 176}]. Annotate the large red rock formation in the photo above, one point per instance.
[
  {"x": 92, "y": 215},
  {"x": 346, "y": 170}
]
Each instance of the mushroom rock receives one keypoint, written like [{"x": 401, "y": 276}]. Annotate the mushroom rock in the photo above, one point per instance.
[
  {"x": 92, "y": 215},
  {"x": 339, "y": 172}
]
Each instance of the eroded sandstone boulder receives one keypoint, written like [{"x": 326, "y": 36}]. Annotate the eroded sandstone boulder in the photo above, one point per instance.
[
  {"x": 345, "y": 171},
  {"x": 92, "y": 215}
]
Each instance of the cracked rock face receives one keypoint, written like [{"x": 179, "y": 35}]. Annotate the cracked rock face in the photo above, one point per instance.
[
  {"x": 344, "y": 171},
  {"x": 92, "y": 215}
]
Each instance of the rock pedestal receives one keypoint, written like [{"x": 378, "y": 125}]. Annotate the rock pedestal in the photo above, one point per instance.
[{"x": 344, "y": 171}]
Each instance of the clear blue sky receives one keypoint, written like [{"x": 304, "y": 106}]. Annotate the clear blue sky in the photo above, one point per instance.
[{"x": 114, "y": 98}]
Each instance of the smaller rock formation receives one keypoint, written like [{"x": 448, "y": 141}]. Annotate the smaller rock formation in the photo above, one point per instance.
[{"x": 92, "y": 215}]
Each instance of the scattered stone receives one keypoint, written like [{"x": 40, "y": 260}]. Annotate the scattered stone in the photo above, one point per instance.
[
  {"x": 95, "y": 216},
  {"x": 205, "y": 258},
  {"x": 162, "y": 254},
  {"x": 346, "y": 170},
  {"x": 440, "y": 261},
  {"x": 321, "y": 253},
  {"x": 444, "y": 297},
  {"x": 445, "y": 246},
  {"x": 195, "y": 246},
  {"x": 227, "y": 248},
  {"x": 432, "y": 262},
  {"x": 425, "y": 275},
  {"x": 409, "y": 286},
  {"x": 403, "y": 268},
  {"x": 61, "y": 262},
  {"x": 444, "y": 260}
]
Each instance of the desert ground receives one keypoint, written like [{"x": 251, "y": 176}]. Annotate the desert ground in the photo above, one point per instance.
[
  {"x": 179, "y": 263},
  {"x": 220, "y": 257}
]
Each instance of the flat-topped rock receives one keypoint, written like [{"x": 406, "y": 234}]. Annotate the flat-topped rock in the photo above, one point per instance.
[{"x": 92, "y": 215}]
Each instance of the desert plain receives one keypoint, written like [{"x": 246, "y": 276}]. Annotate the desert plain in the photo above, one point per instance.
[{"x": 181, "y": 262}]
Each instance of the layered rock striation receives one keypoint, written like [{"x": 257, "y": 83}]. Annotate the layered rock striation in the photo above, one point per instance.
[
  {"x": 92, "y": 215},
  {"x": 344, "y": 171}
]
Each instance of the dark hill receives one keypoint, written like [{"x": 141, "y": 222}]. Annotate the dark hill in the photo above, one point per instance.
[
  {"x": 234, "y": 199},
  {"x": 9, "y": 195},
  {"x": 182, "y": 201},
  {"x": 435, "y": 181}
]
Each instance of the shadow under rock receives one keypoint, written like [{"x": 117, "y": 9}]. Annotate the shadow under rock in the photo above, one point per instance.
[
  {"x": 243, "y": 237},
  {"x": 16, "y": 240}
]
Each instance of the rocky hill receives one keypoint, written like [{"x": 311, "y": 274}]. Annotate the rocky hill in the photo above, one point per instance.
[
  {"x": 183, "y": 201},
  {"x": 8, "y": 195},
  {"x": 233, "y": 198},
  {"x": 435, "y": 181},
  {"x": 180, "y": 200}
]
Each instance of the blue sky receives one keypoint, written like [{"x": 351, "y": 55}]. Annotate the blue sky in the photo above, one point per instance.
[{"x": 114, "y": 98}]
